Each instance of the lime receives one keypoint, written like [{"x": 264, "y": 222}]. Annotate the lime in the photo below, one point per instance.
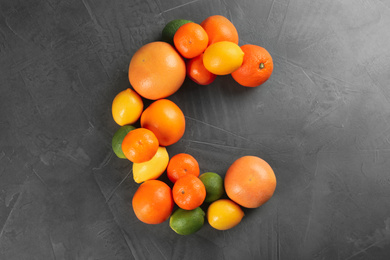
[
  {"x": 186, "y": 222},
  {"x": 214, "y": 186},
  {"x": 117, "y": 140},
  {"x": 170, "y": 29}
]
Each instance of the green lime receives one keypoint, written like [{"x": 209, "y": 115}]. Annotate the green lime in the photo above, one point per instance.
[
  {"x": 214, "y": 186},
  {"x": 186, "y": 222},
  {"x": 117, "y": 140},
  {"x": 170, "y": 29}
]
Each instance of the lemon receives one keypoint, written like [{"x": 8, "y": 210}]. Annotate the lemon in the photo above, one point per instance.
[
  {"x": 186, "y": 222},
  {"x": 153, "y": 168},
  {"x": 127, "y": 107},
  {"x": 224, "y": 214},
  {"x": 214, "y": 186},
  {"x": 222, "y": 58},
  {"x": 117, "y": 140}
]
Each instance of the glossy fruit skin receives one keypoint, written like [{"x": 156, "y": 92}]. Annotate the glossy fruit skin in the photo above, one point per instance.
[
  {"x": 117, "y": 140},
  {"x": 156, "y": 70},
  {"x": 152, "y": 202},
  {"x": 223, "y": 58},
  {"x": 250, "y": 181},
  {"x": 153, "y": 168},
  {"x": 182, "y": 164},
  {"x": 127, "y": 107},
  {"x": 166, "y": 120},
  {"x": 256, "y": 67},
  {"x": 187, "y": 222},
  {"x": 213, "y": 183},
  {"x": 224, "y": 214},
  {"x": 219, "y": 28},
  {"x": 140, "y": 145},
  {"x": 170, "y": 29},
  {"x": 197, "y": 72},
  {"x": 191, "y": 40},
  {"x": 189, "y": 192}
]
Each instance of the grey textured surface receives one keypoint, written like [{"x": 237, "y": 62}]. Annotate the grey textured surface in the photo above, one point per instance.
[{"x": 322, "y": 121}]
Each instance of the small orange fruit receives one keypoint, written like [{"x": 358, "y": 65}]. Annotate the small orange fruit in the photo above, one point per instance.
[
  {"x": 140, "y": 145},
  {"x": 250, "y": 181},
  {"x": 166, "y": 120},
  {"x": 256, "y": 67},
  {"x": 190, "y": 40},
  {"x": 189, "y": 192},
  {"x": 156, "y": 70},
  {"x": 198, "y": 72},
  {"x": 182, "y": 164},
  {"x": 152, "y": 202},
  {"x": 219, "y": 28}
]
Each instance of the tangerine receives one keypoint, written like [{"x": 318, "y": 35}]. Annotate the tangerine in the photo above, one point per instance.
[
  {"x": 166, "y": 120},
  {"x": 189, "y": 192},
  {"x": 250, "y": 181},
  {"x": 182, "y": 164},
  {"x": 256, "y": 67},
  {"x": 140, "y": 145},
  {"x": 219, "y": 28},
  {"x": 156, "y": 70},
  {"x": 152, "y": 202},
  {"x": 190, "y": 40},
  {"x": 198, "y": 72}
]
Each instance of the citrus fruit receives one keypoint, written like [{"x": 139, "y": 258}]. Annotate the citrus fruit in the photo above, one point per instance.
[
  {"x": 182, "y": 164},
  {"x": 140, "y": 145},
  {"x": 170, "y": 29},
  {"x": 256, "y": 67},
  {"x": 152, "y": 202},
  {"x": 117, "y": 140},
  {"x": 186, "y": 222},
  {"x": 189, "y": 192},
  {"x": 223, "y": 58},
  {"x": 153, "y": 168},
  {"x": 197, "y": 72},
  {"x": 127, "y": 107},
  {"x": 191, "y": 40},
  {"x": 250, "y": 181},
  {"x": 156, "y": 70},
  {"x": 166, "y": 120},
  {"x": 224, "y": 214},
  {"x": 219, "y": 28},
  {"x": 213, "y": 183}
]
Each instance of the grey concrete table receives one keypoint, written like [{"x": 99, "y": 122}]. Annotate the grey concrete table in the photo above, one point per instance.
[{"x": 322, "y": 121}]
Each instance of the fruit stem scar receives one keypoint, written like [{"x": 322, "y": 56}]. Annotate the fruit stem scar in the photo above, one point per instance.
[{"x": 261, "y": 66}]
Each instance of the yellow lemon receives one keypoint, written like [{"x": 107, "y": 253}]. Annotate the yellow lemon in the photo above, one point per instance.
[
  {"x": 127, "y": 107},
  {"x": 222, "y": 58},
  {"x": 153, "y": 168},
  {"x": 224, "y": 214}
]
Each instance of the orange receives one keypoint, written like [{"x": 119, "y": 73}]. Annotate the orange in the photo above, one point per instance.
[
  {"x": 127, "y": 107},
  {"x": 153, "y": 202},
  {"x": 219, "y": 28},
  {"x": 256, "y": 67},
  {"x": 156, "y": 70},
  {"x": 189, "y": 192},
  {"x": 140, "y": 145},
  {"x": 190, "y": 40},
  {"x": 182, "y": 164},
  {"x": 166, "y": 120},
  {"x": 198, "y": 72},
  {"x": 250, "y": 181}
]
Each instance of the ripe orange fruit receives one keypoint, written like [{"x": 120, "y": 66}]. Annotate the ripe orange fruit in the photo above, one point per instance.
[
  {"x": 219, "y": 28},
  {"x": 198, "y": 72},
  {"x": 189, "y": 192},
  {"x": 140, "y": 145},
  {"x": 166, "y": 120},
  {"x": 156, "y": 70},
  {"x": 250, "y": 181},
  {"x": 182, "y": 164},
  {"x": 190, "y": 40},
  {"x": 256, "y": 67},
  {"x": 153, "y": 202}
]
